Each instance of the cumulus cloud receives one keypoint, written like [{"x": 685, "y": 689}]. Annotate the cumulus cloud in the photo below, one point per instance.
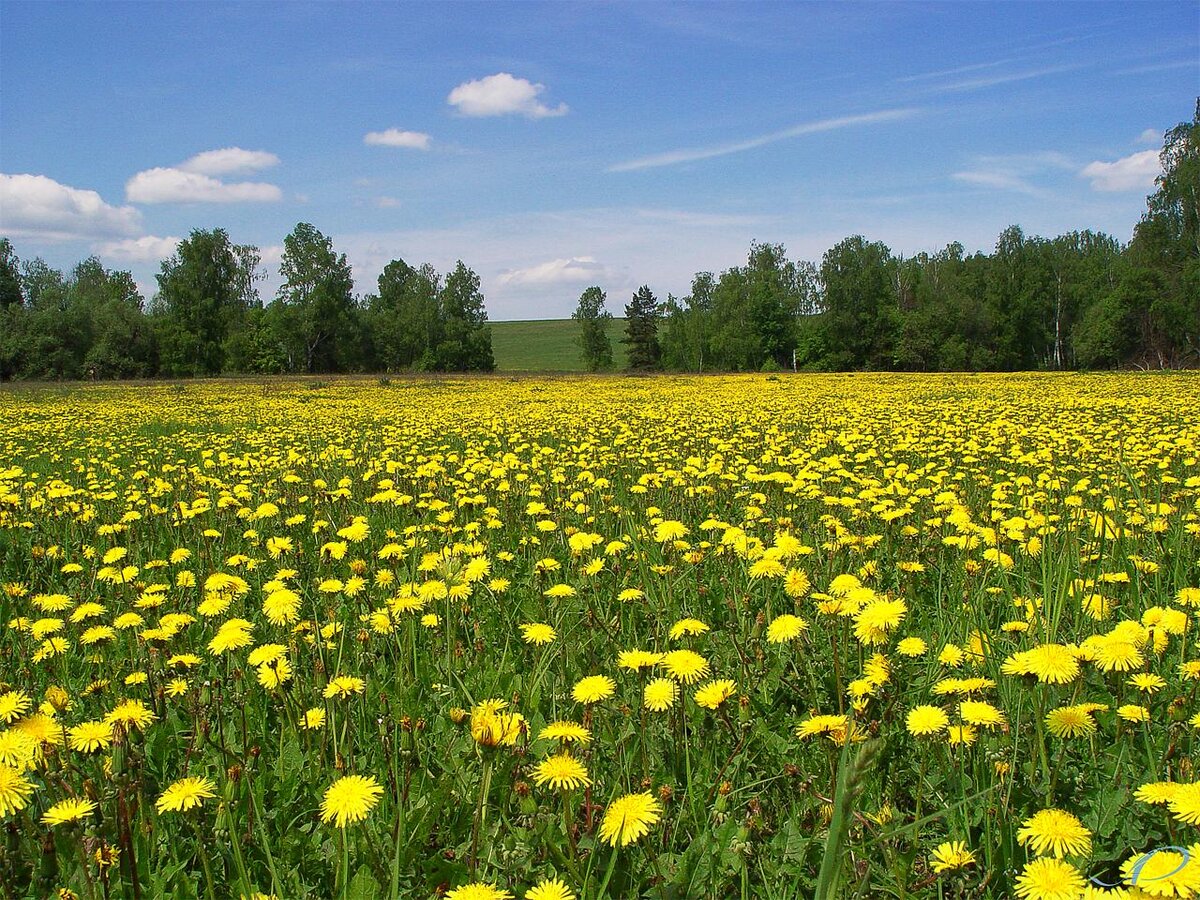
[
  {"x": 1135, "y": 172},
  {"x": 555, "y": 271},
  {"x": 169, "y": 185},
  {"x": 37, "y": 206},
  {"x": 1150, "y": 136},
  {"x": 229, "y": 161},
  {"x": 500, "y": 95},
  {"x": 394, "y": 137},
  {"x": 147, "y": 249}
]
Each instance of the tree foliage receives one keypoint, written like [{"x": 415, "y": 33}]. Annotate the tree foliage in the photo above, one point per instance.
[
  {"x": 593, "y": 338},
  {"x": 642, "y": 315}
]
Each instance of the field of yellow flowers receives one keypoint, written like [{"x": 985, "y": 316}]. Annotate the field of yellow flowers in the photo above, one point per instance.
[{"x": 834, "y": 636}]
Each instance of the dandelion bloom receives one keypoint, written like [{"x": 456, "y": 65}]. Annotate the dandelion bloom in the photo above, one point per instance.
[
  {"x": 628, "y": 818},
  {"x": 713, "y": 694},
  {"x": 15, "y": 789},
  {"x": 1147, "y": 682},
  {"x": 550, "y": 889},
  {"x": 343, "y": 686},
  {"x": 951, "y": 855},
  {"x": 565, "y": 732},
  {"x": 686, "y": 627},
  {"x": 562, "y": 772},
  {"x": 669, "y": 530},
  {"x": 131, "y": 712},
  {"x": 185, "y": 794},
  {"x": 636, "y": 660},
  {"x": 349, "y": 799},
  {"x": 925, "y": 720},
  {"x": 1049, "y": 879},
  {"x": 1164, "y": 873},
  {"x": 313, "y": 719},
  {"x": 1070, "y": 722},
  {"x": 88, "y": 737},
  {"x": 593, "y": 689},
  {"x": 1131, "y": 712},
  {"x": 1156, "y": 792},
  {"x": 1056, "y": 832},
  {"x": 1049, "y": 663},
  {"x": 71, "y": 810},
  {"x": 537, "y": 633},
  {"x": 478, "y": 890},
  {"x": 685, "y": 666},
  {"x": 911, "y": 647},
  {"x": 1185, "y": 803},
  {"x": 13, "y": 705},
  {"x": 492, "y": 728},
  {"x": 659, "y": 695},
  {"x": 976, "y": 712},
  {"x": 785, "y": 628}
]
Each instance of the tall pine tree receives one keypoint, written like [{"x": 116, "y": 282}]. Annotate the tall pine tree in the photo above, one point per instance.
[{"x": 641, "y": 330}]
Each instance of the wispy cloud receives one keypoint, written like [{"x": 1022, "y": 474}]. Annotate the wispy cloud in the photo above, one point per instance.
[
  {"x": 675, "y": 157},
  {"x": 574, "y": 270},
  {"x": 960, "y": 70},
  {"x": 975, "y": 84},
  {"x": 1013, "y": 172},
  {"x": 1160, "y": 67}
]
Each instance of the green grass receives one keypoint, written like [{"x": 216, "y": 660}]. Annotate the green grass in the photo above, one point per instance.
[{"x": 547, "y": 345}]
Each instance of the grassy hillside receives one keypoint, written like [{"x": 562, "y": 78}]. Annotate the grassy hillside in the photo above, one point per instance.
[{"x": 547, "y": 345}]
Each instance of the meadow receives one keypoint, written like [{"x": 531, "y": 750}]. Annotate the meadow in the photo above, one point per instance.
[
  {"x": 548, "y": 345},
  {"x": 762, "y": 636}
]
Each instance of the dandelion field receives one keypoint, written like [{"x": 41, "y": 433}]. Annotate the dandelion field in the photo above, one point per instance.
[{"x": 874, "y": 636}]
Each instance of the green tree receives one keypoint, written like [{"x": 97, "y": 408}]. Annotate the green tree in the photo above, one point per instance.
[
  {"x": 593, "y": 338},
  {"x": 317, "y": 312},
  {"x": 1167, "y": 240},
  {"x": 641, "y": 329},
  {"x": 10, "y": 276},
  {"x": 403, "y": 321},
  {"x": 861, "y": 304},
  {"x": 465, "y": 341},
  {"x": 204, "y": 291}
]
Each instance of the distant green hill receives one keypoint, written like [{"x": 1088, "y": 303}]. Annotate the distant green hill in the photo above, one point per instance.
[{"x": 547, "y": 345}]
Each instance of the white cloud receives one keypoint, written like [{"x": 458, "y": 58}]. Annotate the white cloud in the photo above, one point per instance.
[
  {"x": 974, "y": 84},
  {"x": 576, "y": 269},
  {"x": 147, "y": 249},
  {"x": 394, "y": 137},
  {"x": 168, "y": 185},
  {"x": 271, "y": 256},
  {"x": 387, "y": 202},
  {"x": 674, "y": 157},
  {"x": 37, "y": 206},
  {"x": 1014, "y": 171},
  {"x": 1150, "y": 136},
  {"x": 229, "y": 161},
  {"x": 1004, "y": 181},
  {"x": 501, "y": 95},
  {"x": 1129, "y": 173}
]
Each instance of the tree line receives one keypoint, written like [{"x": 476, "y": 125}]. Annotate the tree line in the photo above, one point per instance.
[
  {"x": 1079, "y": 300},
  {"x": 207, "y": 317}
]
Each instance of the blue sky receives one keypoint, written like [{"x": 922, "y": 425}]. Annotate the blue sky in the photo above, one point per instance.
[{"x": 554, "y": 146}]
